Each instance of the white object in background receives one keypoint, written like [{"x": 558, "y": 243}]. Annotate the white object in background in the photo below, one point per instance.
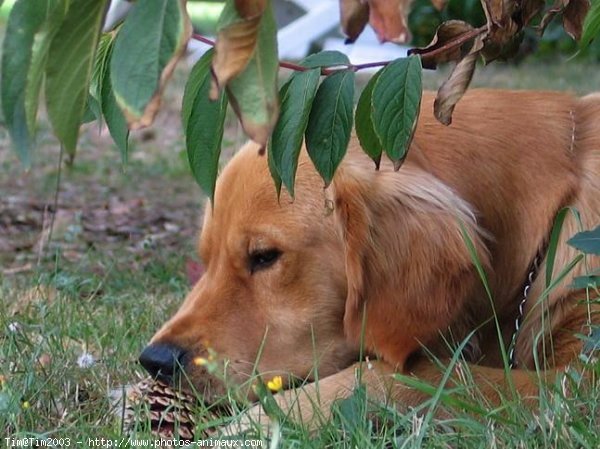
[
  {"x": 367, "y": 48},
  {"x": 117, "y": 11},
  {"x": 195, "y": 50},
  {"x": 295, "y": 38}
]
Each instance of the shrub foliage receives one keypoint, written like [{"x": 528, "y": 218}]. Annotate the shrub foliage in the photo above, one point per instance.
[{"x": 57, "y": 46}]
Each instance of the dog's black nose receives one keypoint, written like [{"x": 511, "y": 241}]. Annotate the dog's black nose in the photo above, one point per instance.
[{"x": 162, "y": 360}]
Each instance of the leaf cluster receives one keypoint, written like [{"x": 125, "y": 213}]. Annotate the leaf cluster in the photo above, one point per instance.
[{"x": 57, "y": 47}]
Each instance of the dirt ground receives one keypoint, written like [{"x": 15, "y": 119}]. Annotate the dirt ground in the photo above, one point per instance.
[{"x": 125, "y": 213}]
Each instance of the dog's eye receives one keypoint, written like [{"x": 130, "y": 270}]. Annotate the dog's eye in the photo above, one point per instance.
[{"x": 261, "y": 259}]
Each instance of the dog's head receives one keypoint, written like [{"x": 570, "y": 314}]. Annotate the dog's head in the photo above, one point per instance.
[
  {"x": 274, "y": 288},
  {"x": 287, "y": 282}
]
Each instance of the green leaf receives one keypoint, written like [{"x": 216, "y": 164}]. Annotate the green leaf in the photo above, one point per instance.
[
  {"x": 273, "y": 167},
  {"x": 395, "y": 106},
  {"x": 69, "y": 68},
  {"x": 330, "y": 123},
  {"x": 92, "y": 111},
  {"x": 253, "y": 93},
  {"x": 194, "y": 84},
  {"x": 93, "y": 107},
  {"x": 286, "y": 141},
  {"x": 587, "y": 242},
  {"x": 553, "y": 243},
  {"x": 203, "y": 120},
  {"x": 39, "y": 57},
  {"x": 146, "y": 49},
  {"x": 592, "y": 340},
  {"x": 296, "y": 97},
  {"x": 591, "y": 26},
  {"x": 365, "y": 130},
  {"x": 583, "y": 282},
  {"x": 114, "y": 117},
  {"x": 325, "y": 59},
  {"x": 101, "y": 61},
  {"x": 273, "y": 170},
  {"x": 352, "y": 411},
  {"x": 25, "y": 20}
]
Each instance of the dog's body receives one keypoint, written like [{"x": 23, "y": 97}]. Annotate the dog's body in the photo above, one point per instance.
[{"x": 288, "y": 281}]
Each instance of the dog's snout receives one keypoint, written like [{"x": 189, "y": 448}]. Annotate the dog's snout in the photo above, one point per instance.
[{"x": 162, "y": 360}]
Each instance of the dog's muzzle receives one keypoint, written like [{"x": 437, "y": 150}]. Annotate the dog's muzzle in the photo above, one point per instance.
[{"x": 162, "y": 360}]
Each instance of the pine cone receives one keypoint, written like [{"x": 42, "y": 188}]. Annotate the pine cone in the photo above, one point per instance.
[{"x": 165, "y": 412}]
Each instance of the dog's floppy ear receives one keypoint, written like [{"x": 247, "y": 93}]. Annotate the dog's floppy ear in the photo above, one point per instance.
[{"x": 407, "y": 262}]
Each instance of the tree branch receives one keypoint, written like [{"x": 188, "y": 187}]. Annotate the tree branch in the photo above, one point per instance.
[
  {"x": 457, "y": 42},
  {"x": 356, "y": 67},
  {"x": 205, "y": 40},
  {"x": 298, "y": 68}
]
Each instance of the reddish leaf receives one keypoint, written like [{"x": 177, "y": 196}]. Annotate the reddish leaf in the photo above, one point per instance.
[
  {"x": 248, "y": 9},
  {"x": 236, "y": 41},
  {"x": 551, "y": 13},
  {"x": 574, "y": 16},
  {"x": 253, "y": 92},
  {"x": 455, "y": 86},
  {"x": 447, "y": 44},
  {"x": 494, "y": 11},
  {"x": 573, "y": 12},
  {"x": 354, "y": 15},
  {"x": 530, "y": 9},
  {"x": 389, "y": 19},
  {"x": 501, "y": 24}
]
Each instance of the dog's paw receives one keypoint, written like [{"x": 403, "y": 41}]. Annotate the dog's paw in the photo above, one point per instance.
[{"x": 253, "y": 421}]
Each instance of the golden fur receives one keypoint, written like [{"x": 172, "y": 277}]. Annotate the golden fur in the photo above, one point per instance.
[{"x": 394, "y": 246}]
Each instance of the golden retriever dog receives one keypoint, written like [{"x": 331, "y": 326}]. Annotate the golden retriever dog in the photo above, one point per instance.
[{"x": 389, "y": 260}]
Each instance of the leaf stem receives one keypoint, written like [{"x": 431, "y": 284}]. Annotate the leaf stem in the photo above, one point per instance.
[
  {"x": 200, "y": 38},
  {"x": 457, "y": 42},
  {"x": 325, "y": 71},
  {"x": 292, "y": 66},
  {"x": 298, "y": 68}
]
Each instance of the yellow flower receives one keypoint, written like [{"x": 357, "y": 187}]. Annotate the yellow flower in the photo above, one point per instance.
[
  {"x": 25, "y": 405},
  {"x": 200, "y": 361},
  {"x": 275, "y": 384}
]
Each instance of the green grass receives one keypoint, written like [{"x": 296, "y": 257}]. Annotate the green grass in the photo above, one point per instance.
[
  {"x": 52, "y": 320},
  {"x": 48, "y": 323},
  {"x": 110, "y": 297}
]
